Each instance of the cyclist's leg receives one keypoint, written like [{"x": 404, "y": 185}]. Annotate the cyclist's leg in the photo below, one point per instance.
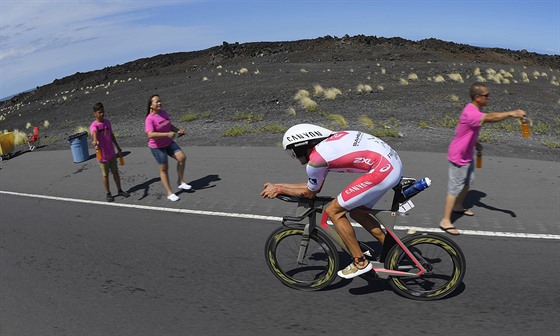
[
  {"x": 378, "y": 183},
  {"x": 369, "y": 223},
  {"x": 337, "y": 214},
  {"x": 360, "y": 265}
]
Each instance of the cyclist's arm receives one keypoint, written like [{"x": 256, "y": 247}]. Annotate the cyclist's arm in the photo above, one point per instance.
[{"x": 271, "y": 190}]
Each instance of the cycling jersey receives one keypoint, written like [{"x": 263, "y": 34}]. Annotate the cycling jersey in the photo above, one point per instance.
[{"x": 355, "y": 152}]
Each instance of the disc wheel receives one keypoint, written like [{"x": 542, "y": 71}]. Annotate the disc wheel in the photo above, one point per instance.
[
  {"x": 440, "y": 256},
  {"x": 319, "y": 264}
]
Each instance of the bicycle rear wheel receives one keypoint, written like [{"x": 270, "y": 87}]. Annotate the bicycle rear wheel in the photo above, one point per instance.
[
  {"x": 443, "y": 260},
  {"x": 318, "y": 267}
]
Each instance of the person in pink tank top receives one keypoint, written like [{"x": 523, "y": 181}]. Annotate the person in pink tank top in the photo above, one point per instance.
[
  {"x": 322, "y": 151},
  {"x": 461, "y": 152}
]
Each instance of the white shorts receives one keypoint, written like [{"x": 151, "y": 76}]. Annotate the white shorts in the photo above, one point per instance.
[{"x": 368, "y": 189}]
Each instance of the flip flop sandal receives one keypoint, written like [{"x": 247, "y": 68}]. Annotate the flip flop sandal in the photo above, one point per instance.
[{"x": 446, "y": 230}]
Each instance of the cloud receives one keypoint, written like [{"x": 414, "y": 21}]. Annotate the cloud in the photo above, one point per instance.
[{"x": 43, "y": 40}]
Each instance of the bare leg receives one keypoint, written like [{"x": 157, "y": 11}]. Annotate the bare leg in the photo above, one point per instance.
[
  {"x": 369, "y": 223},
  {"x": 338, "y": 216},
  {"x": 164, "y": 176},
  {"x": 181, "y": 159},
  {"x": 117, "y": 179},
  {"x": 458, "y": 206},
  {"x": 445, "y": 222},
  {"x": 105, "y": 180}
]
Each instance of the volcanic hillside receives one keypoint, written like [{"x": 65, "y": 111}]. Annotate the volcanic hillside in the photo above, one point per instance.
[{"x": 409, "y": 93}]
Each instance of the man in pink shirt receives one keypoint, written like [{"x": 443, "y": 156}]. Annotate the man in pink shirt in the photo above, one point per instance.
[{"x": 461, "y": 152}]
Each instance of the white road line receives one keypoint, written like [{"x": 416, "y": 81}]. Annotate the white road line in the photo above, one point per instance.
[{"x": 273, "y": 218}]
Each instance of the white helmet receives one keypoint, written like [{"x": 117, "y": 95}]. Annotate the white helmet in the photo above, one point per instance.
[{"x": 302, "y": 135}]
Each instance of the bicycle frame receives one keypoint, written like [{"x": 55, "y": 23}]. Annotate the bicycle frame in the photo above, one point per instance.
[{"x": 309, "y": 208}]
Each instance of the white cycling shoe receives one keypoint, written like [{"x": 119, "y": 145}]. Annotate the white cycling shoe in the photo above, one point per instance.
[{"x": 352, "y": 271}]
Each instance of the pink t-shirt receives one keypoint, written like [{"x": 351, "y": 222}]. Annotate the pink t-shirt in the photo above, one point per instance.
[
  {"x": 158, "y": 122},
  {"x": 104, "y": 139},
  {"x": 461, "y": 149}
]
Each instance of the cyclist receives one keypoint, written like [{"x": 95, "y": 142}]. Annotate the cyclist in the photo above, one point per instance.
[{"x": 323, "y": 150}]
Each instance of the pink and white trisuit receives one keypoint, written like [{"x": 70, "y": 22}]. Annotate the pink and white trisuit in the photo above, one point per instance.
[{"x": 355, "y": 152}]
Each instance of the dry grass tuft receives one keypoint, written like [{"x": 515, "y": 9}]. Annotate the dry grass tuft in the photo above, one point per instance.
[
  {"x": 308, "y": 104},
  {"x": 367, "y": 122},
  {"x": 455, "y": 98},
  {"x": 301, "y": 94},
  {"x": 363, "y": 88},
  {"x": 19, "y": 137},
  {"x": 338, "y": 119},
  {"x": 439, "y": 79},
  {"x": 456, "y": 77},
  {"x": 318, "y": 90},
  {"x": 332, "y": 93},
  {"x": 81, "y": 129}
]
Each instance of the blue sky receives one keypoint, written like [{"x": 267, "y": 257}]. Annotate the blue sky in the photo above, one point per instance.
[{"x": 41, "y": 40}]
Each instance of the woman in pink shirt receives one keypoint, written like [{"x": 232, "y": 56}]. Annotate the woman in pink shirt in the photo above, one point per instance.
[{"x": 161, "y": 132}]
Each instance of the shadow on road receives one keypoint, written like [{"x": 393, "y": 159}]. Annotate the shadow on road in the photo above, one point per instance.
[
  {"x": 144, "y": 186},
  {"x": 474, "y": 198},
  {"x": 201, "y": 183}
]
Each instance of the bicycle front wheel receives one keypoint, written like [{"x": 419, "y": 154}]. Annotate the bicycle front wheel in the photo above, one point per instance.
[
  {"x": 319, "y": 264},
  {"x": 441, "y": 257}
]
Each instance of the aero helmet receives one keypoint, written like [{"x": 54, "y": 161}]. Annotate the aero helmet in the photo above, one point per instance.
[{"x": 298, "y": 137}]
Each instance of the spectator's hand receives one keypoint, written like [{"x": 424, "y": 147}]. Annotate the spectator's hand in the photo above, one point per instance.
[
  {"x": 171, "y": 135},
  {"x": 519, "y": 114}
]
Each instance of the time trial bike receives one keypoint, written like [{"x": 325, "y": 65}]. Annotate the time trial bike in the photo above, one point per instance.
[{"x": 302, "y": 253}]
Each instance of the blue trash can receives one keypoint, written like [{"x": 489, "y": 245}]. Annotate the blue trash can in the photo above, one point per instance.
[{"x": 79, "y": 147}]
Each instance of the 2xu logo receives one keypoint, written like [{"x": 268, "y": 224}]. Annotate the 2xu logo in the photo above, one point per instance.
[{"x": 370, "y": 162}]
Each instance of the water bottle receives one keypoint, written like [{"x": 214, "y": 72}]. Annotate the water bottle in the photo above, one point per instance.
[
  {"x": 525, "y": 131},
  {"x": 417, "y": 187},
  {"x": 121, "y": 160},
  {"x": 98, "y": 154},
  {"x": 479, "y": 159}
]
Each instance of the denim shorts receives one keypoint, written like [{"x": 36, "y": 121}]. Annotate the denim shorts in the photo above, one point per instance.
[
  {"x": 459, "y": 177},
  {"x": 160, "y": 154}
]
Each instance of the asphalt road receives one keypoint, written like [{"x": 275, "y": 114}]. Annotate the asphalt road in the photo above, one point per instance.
[{"x": 73, "y": 264}]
